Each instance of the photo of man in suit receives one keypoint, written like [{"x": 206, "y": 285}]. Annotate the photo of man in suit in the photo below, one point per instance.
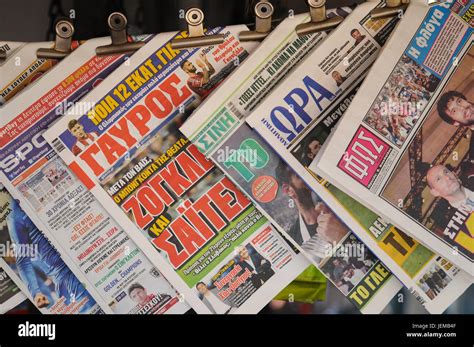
[{"x": 256, "y": 263}]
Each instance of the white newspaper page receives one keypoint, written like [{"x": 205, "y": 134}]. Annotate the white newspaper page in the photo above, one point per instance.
[
  {"x": 218, "y": 129},
  {"x": 98, "y": 251},
  {"x": 10, "y": 295},
  {"x": 10, "y": 47},
  {"x": 409, "y": 260},
  {"x": 172, "y": 201},
  {"x": 33, "y": 263},
  {"x": 403, "y": 146},
  {"x": 22, "y": 68}
]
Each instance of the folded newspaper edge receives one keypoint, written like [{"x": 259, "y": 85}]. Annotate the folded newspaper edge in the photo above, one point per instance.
[{"x": 21, "y": 68}]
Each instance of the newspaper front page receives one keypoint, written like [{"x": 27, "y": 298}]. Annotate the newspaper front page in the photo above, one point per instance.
[
  {"x": 403, "y": 146},
  {"x": 33, "y": 263},
  {"x": 180, "y": 209},
  {"x": 218, "y": 129},
  {"x": 409, "y": 260},
  {"x": 115, "y": 271},
  {"x": 15, "y": 74},
  {"x": 10, "y": 295},
  {"x": 22, "y": 67}
]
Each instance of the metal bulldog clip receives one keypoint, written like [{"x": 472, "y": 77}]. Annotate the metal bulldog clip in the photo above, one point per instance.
[
  {"x": 118, "y": 32},
  {"x": 319, "y": 20},
  {"x": 196, "y": 38}
]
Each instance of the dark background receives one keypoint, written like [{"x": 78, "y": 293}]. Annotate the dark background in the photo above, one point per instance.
[{"x": 33, "y": 20}]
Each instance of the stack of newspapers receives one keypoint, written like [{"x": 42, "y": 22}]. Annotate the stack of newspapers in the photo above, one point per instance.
[{"x": 211, "y": 178}]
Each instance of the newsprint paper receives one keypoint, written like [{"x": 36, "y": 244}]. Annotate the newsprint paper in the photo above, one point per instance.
[
  {"x": 35, "y": 266},
  {"x": 410, "y": 261},
  {"x": 101, "y": 255},
  {"x": 218, "y": 129},
  {"x": 10, "y": 295},
  {"x": 404, "y": 145},
  {"x": 10, "y": 47},
  {"x": 22, "y": 67},
  {"x": 179, "y": 208}
]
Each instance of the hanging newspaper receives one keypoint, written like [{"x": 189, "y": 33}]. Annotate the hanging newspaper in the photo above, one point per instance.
[
  {"x": 22, "y": 68},
  {"x": 36, "y": 267},
  {"x": 8, "y": 48},
  {"x": 115, "y": 271},
  {"x": 15, "y": 74},
  {"x": 218, "y": 129},
  {"x": 10, "y": 295},
  {"x": 403, "y": 146},
  {"x": 174, "y": 203},
  {"x": 410, "y": 261}
]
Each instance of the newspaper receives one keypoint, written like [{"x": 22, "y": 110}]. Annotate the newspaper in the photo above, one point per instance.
[
  {"x": 403, "y": 146},
  {"x": 190, "y": 220},
  {"x": 218, "y": 129},
  {"x": 98, "y": 251},
  {"x": 408, "y": 260},
  {"x": 10, "y": 47},
  {"x": 36, "y": 267},
  {"x": 10, "y": 295},
  {"x": 22, "y": 68}
]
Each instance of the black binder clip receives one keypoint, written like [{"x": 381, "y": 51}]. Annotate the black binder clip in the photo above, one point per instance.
[
  {"x": 392, "y": 8},
  {"x": 319, "y": 20},
  {"x": 117, "y": 23},
  {"x": 196, "y": 38},
  {"x": 263, "y": 22},
  {"x": 62, "y": 44}
]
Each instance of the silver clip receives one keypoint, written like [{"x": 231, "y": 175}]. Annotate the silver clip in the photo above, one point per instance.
[
  {"x": 62, "y": 44},
  {"x": 117, "y": 23},
  {"x": 263, "y": 22},
  {"x": 196, "y": 38},
  {"x": 392, "y": 8},
  {"x": 319, "y": 20}
]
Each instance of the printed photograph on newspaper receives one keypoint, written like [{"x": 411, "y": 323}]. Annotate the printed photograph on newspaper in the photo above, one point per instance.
[
  {"x": 218, "y": 130},
  {"x": 29, "y": 256},
  {"x": 98, "y": 251},
  {"x": 406, "y": 154},
  {"x": 172, "y": 201}
]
